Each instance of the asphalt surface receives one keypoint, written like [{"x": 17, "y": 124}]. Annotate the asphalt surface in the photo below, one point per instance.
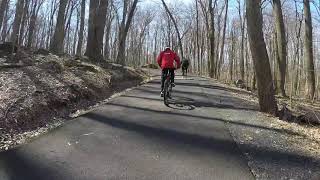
[{"x": 135, "y": 136}]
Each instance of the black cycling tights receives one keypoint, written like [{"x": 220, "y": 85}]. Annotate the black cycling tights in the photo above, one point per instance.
[{"x": 164, "y": 75}]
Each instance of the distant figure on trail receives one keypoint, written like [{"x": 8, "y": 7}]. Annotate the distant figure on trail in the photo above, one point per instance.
[
  {"x": 185, "y": 66},
  {"x": 169, "y": 61}
]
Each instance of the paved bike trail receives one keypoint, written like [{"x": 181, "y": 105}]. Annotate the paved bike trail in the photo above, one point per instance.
[{"x": 135, "y": 136}]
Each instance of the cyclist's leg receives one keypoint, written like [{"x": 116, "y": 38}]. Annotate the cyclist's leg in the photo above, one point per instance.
[
  {"x": 163, "y": 78},
  {"x": 172, "y": 75}
]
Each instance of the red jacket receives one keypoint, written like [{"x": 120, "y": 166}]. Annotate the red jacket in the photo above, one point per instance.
[{"x": 166, "y": 59}]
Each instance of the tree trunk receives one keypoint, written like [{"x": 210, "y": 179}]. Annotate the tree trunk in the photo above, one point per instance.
[
  {"x": 211, "y": 61},
  {"x": 93, "y": 8},
  {"x": 97, "y": 21},
  {"x": 297, "y": 50},
  {"x": 231, "y": 55},
  {"x": 80, "y": 40},
  {"x": 205, "y": 13},
  {"x": 70, "y": 8},
  {"x": 276, "y": 72},
  {"x": 24, "y": 18},
  {"x": 121, "y": 49},
  {"x": 107, "y": 35},
  {"x": 281, "y": 46},
  {"x": 197, "y": 39},
  {"x": 17, "y": 22},
  {"x": 101, "y": 24},
  {"x": 223, "y": 37},
  {"x": 254, "y": 82},
  {"x": 57, "y": 42},
  {"x": 5, "y": 21},
  {"x": 50, "y": 19},
  {"x": 241, "y": 59},
  {"x": 308, "y": 52},
  {"x": 260, "y": 58},
  {"x": 123, "y": 35},
  {"x": 33, "y": 19},
  {"x": 3, "y": 7},
  {"x": 107, "y": 41},
  {"x": 76, "y": 33}
]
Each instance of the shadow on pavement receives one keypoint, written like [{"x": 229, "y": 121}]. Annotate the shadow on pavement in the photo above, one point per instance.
[
  {"x": 199, "y": 118},
  {"x": 208, "y": 86},
  {"x": 211, "y": 144},
  {"x": 217, "y": 101},
  {"x": 15, "y": 165}
]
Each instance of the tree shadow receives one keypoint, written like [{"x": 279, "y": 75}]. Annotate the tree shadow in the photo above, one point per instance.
[
  {"x": 211, "y": 144},
  {"x": 190, "y": 105},
  {"x": 205, "y": 100},
  {"x": 16, "y": 165},
  {"x": 209, "y": 86},
  {"x": 201, "y": 118}
]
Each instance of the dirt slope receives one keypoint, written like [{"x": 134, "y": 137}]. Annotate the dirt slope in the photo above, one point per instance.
[{"x": 48, "y": 87}]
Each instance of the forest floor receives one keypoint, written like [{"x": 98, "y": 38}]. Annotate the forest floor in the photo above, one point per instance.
[
  {"x": 40, "y": 90},
  {"x": 296, "y": 107},
  {"x": 296, "y": 143}
]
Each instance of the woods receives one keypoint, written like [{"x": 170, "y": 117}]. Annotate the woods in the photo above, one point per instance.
[
  {"x": 268, "y": 44},
  {"x": 89, "y": 89}
]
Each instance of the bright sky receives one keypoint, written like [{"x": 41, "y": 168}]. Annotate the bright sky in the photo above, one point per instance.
[
  {"x": 167, "y": 1},
  {"x": 185, "y": 1}
]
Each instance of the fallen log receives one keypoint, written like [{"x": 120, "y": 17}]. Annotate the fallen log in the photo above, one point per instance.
[
  {"x": 11, "y": 65},
  {"x": 311, "y": 116},
  {"x": 307, "y": 115}
]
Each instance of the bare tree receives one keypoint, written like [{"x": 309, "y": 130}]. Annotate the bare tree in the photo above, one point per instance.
[
  {"x": 110, "y": 18},
  {"x": 83, "y": 14},
  {"x": 57, "y": 42},
  {"x": 223, "y": 36},
  {"x": 17, "y": 21},
  {"x": 212, "y": 61},
  {"x": 50, "y": 30},
  {"x": 260, "y": 58},
  {"x": 3, "y": 8},
  {"x": 242, "y": 26},
  {"x": 231, "y": 53},
  {"x": 308, "y": 51},
  {"x": 281, "y": 47},
  {"x": 25, "y": 16},
  {"x": 175, "y": 26},
  {"x": 97, "y": 21},
  {"x": 123, "y": 30},
  {"x": 36, "y": 5},
  {"x": 5, "y": 19}
]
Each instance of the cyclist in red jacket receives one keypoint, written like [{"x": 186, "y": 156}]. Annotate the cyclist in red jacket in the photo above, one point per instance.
[{"x": 169, "y": 61}]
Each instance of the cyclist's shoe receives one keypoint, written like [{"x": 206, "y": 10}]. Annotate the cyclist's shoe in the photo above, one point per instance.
[
  {"x": 173, "y": 84},
  {"x": 161, "y": 94}
]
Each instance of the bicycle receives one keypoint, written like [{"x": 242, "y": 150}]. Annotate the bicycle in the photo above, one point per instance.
[{"x": 167, "y": 90}]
